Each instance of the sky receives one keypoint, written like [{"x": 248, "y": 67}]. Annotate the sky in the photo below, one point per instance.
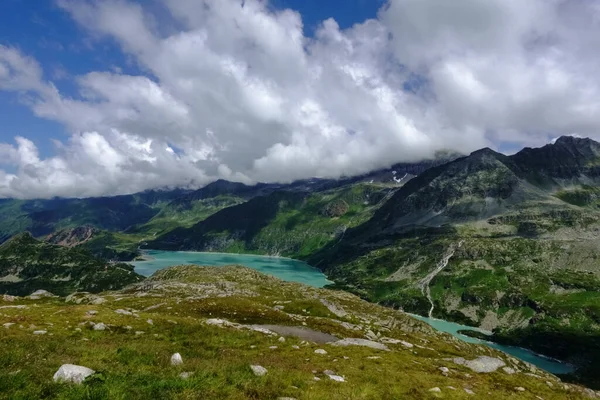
[{"x": 111, "y": 97}]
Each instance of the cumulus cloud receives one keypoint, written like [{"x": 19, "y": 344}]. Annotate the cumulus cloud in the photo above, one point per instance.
[{"x": 237, "y": 90}]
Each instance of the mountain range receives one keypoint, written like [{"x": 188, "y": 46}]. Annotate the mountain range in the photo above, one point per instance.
[{"x": 510, "y": 244}]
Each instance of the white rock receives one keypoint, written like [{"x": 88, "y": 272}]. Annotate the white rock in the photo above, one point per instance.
[
  {"x": 176, "y": 359},
  {"x": 185, "y": 375},
  {"x": 72, "y": 373},
  {"x": 92, "y": 312},
  {"x": 469, "y": 391},
  {"x": 316, "y": 378},
  {"x": 99, "y": 327},
  {"x": 520, "y": 389},
  {"x": 336, "y": 378},
  {"x": 123, "y": 312},
  {"x": 295, "y": 347},
  {"x": 137, "y": 333},
  {"x": 259, "y": 329},
  {"x": 286, "y": 398},
  {"x": 97, "y": 300},
  {"x": 281, "y": 339},
  {"x": 390, "y": 340},
  {"x": 509, "y": 370},
  {"x": 8, "y": 297},
  {"x": 360, "y": 342},
  {"x": 273, "y": 347},
  {"x": 435, "y": 389},
  {"x": 150, "y": 322},
  {"x": 258, "y": 370},
  {"x": 444, "y": 370},
  {"x": 320, "y": 351},
  {"x": 43, "y": 332},
  {"x": 38, "y": 294},
  {"x": 84, "y": 298},
  {"x": 216, "y": 321},
  {"x": 8, "y": 324}
]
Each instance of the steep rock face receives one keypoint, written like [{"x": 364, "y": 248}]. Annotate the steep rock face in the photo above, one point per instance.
[
  {"x": 486, "y": 184},
  {"x": 478, "y": 185},
  {"x": 72, "y": 237},
  {"x": 101, "y": 244},
  {"x": 568, "y": 159}
]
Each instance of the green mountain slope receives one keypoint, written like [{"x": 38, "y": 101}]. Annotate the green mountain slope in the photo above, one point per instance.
[
  {"x": 43, "y": 217},
  {"x": 184, "y": 213},
  {"x": 223, "y": 321},
  {"x": 27, "y": 265},
  {"x": 510, "y": 244},
  {"x": 290, "y": 223}
]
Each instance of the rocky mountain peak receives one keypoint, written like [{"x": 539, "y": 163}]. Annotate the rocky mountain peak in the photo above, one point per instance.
[
  {"x": 486, "y": 151},
  {"x": 72, "y": 236}
]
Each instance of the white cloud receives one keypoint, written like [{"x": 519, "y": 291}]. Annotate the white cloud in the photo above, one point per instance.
[{"x": 234, "y": 89}]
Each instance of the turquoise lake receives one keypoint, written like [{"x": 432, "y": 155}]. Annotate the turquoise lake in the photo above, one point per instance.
[
  {"x": 283, "y": 268},
  {"x": 545, "y": 363},
  {"x": 298, "y": 271}
]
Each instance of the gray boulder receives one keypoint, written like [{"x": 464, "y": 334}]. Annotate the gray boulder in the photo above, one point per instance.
[
  {"x": 258, "y": 370},
  {"x": 84, "y": 298},
  {"x": 360, "y": 342},
  {"x": 99, "y": 327},
  {"x": 38, "y": 294},
  {"x": 480, "y": 364},
  {"x": 176, "y": 359}
]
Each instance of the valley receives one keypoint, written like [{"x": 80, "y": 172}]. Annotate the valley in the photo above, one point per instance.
[{"x": 509, "y": 244}]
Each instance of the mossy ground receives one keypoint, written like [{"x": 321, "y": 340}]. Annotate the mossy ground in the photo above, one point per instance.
[{"x": 131, "y": 366}]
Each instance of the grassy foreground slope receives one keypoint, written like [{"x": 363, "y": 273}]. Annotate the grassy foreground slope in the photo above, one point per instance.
[{"x": 210, "y": 317}]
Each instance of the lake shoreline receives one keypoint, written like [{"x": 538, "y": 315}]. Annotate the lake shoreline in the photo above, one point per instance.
[
  {"x": 291, "y": 270},
  {"x": 221, "y": 253},
  {"x": 541, "y": 361},
  {"x": 285, "y": 268}
]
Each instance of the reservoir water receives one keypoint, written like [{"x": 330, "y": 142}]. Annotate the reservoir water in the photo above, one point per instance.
[
  {"x": 298, "y": 271},
  {"x": 283, "y": 268},
  {"x": 545, "y": 363}
]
